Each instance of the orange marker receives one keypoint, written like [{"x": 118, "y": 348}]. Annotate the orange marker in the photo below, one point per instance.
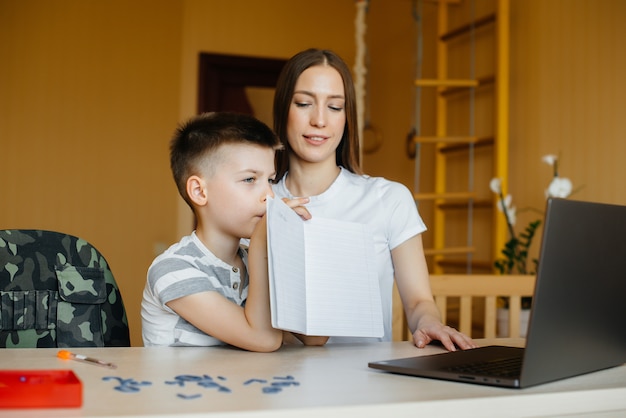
[{"x": 66, "y": 355}]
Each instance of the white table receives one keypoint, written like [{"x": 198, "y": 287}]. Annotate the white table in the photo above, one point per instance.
[{"x": 317, "y": 381}]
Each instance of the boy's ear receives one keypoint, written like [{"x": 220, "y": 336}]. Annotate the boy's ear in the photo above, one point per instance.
[{"x": 196, "y": 190}]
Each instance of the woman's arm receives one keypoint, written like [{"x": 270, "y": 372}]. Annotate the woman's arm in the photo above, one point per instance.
[{"x": 424, "y": 319}]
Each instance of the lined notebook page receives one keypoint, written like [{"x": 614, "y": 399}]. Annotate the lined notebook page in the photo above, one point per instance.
[
  {"x": 285, "y": 253},
  {"x": 330, "y": 266}
]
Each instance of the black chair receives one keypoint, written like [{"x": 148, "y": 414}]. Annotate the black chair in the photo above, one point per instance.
[{"x": 57, "y": 291}]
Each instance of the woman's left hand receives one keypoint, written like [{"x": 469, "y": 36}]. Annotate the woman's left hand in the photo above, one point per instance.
[{"x": 448, "y": 336}]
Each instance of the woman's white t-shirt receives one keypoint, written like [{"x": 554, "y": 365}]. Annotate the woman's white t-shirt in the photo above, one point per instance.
[{"x": 389, "y": 210}]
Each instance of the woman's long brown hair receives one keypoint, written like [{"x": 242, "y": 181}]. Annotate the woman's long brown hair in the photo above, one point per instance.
[{"x": 347, "y": 154}]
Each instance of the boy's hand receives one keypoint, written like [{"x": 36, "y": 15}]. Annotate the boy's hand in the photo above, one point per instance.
[{"x": 297, "y": 205}]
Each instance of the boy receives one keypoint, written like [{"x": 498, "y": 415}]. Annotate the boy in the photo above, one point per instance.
[{"x": 206, "y": 289}]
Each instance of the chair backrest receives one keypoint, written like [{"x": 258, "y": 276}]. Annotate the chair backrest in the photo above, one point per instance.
[
  {"x": 57, "y": 291},
  {"x": 489, "y": 287}
]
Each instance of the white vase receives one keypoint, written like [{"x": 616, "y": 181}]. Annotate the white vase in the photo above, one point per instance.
[{"x": 502, "y": 325}]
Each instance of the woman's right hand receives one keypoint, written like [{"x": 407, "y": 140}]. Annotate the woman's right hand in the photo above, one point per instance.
[{"x": 297, "y": 204}]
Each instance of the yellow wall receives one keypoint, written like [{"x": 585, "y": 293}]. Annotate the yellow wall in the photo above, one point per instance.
[
  {"x": 90, "y": 93},
  {"x": 270, "y": 28},
  {"x": 567, "y": 92},
  {"x": 568, "y": 96}
]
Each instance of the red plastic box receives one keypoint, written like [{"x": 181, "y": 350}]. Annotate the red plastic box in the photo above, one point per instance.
[{"x": 40, "y": 389}]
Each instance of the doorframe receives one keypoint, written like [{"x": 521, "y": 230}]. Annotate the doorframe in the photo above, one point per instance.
[{"x": 219, "y": 70}]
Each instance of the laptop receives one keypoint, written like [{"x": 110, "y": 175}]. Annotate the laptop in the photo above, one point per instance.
[{"x": 578, "y": 317}]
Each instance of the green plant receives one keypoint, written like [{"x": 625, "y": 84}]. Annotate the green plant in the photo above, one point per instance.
[{"x": 515, "y": 253}]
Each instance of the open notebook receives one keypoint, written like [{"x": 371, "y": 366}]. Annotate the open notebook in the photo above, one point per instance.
[
  {"x": 323, "y": 277},
  {"x": 577, "y": 321}
]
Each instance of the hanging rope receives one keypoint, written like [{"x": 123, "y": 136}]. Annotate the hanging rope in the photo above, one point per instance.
[
  {"x": 360, "y": 69},
  {"x": 472, "y": 132},
  {"x": 369, "y": 137},
  {"x": 413, "y": 149}
]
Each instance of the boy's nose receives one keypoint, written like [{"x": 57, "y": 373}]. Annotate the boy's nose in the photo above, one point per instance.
[{"x": 269, "y": 192}]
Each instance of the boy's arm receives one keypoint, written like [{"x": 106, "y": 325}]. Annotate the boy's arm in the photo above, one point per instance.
[
  {"x": 293, "y": 338},
  {"x": 257, "y": 308},
  {"x": 249, "y": 328}
]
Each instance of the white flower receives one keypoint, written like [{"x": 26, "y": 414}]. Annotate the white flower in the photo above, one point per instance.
[
  {"x": 549, "y": 159},
  {"x": 559, "y": 187},
  {"x": 496, "y": 185},
  {"x": 515, "y": 251},
  {"x": 512, "y": 213},
  {"x": 504, "y": 204},
  {"x": 508, "y": 199}
]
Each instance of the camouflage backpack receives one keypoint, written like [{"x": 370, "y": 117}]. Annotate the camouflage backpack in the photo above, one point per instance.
[{"x": 57, "y": 291}]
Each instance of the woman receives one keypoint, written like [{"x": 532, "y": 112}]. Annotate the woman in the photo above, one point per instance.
[{"x": 315, "y": 118}]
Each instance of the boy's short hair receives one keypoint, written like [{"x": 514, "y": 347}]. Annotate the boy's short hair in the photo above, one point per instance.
[{"x": 203, "y": 135}]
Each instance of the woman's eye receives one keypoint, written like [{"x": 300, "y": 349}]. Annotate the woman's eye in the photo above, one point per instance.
[
  {"x": 249, "y": 180},
  {"x": 301, "y": 104},
  {"x": 336, "y": 108}
]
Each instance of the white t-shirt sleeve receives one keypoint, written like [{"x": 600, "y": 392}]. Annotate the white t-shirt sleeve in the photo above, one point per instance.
[{"x": 404, "y": 219}]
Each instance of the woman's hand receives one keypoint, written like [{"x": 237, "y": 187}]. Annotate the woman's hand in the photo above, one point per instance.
[
  {"x": 434, "y": 330},
  {"x": 297, "y": 205}
]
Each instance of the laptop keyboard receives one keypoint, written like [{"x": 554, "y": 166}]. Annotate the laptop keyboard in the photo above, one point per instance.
[{"x": 505, "y": 367}]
